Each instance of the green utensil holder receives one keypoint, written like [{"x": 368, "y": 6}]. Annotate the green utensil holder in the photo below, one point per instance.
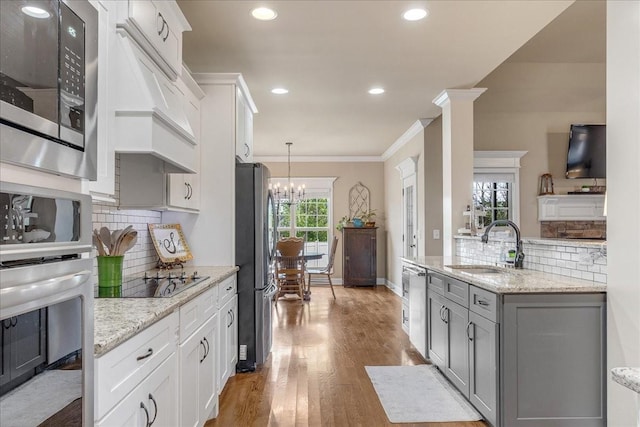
[{"x": 110, "y": 275}]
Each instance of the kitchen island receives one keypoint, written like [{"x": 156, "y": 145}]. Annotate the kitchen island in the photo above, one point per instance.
[{"x": 526, "y": 348}]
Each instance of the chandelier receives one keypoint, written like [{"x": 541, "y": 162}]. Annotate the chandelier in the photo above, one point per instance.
[{"x": 288, "y": 194}]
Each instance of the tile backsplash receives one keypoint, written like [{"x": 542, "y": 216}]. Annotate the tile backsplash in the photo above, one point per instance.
[
  {"x": 142, "y": 256},
  {"x": 578, "y": 259}
]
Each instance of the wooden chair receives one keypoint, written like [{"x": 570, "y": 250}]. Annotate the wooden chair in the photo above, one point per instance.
[
  {"x": 290, "y": 267},
  {"x": 328, "y": 270}
]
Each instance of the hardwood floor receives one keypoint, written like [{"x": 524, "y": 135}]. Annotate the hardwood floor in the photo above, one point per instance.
[{"x": 315, "y": 375}]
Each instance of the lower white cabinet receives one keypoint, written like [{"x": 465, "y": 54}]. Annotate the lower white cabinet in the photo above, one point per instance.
[
  {"x": 153, "y": 401},
  {"x": 198, "y": 394},
  {"x": 228, "y": 341}
]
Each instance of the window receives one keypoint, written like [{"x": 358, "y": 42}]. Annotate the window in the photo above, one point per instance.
[
  {"x": 494, "y": 195},
  {"x": 309, "y": 219}
]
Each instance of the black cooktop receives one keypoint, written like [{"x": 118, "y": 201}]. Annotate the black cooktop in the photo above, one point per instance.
[{"x": 158, "y": 285}]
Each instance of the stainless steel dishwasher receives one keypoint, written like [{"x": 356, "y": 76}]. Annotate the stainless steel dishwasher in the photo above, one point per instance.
[{"x": 417, "y": 307}]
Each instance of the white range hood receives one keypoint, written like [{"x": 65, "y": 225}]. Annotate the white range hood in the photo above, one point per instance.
[{"x": 149, "y": 110}]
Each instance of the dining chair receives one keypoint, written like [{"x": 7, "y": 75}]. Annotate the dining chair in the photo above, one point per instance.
[
  {"x": 290, "y": 267},
  {"x": 328, "y": 270}
]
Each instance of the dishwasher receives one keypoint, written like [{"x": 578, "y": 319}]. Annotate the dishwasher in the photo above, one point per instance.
[{"x": 417, "y": 308}]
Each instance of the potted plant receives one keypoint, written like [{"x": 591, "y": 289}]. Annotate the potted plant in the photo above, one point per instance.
[
  {"x": 344, "y": 222},
  {"x": 368, "y": 217}
]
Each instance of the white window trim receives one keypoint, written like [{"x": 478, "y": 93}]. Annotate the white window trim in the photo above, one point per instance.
[{"x": 502, "y": 162}]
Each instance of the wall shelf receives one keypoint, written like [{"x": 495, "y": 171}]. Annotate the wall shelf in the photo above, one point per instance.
[{"x": 571, "y": 207}]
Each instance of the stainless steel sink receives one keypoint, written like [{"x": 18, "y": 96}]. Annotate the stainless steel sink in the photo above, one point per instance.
[{"x": 477, "y": 269}]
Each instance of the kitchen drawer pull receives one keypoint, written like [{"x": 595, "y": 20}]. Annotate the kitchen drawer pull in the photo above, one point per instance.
[
  {"x": 144, "y": 356},
  {"x": 229, "y": 288},
  {"x": 468, "y": 334},
  {"x": 247, "y": 150},
  {"x": 146, "y": 413},
  {"x": 205, "y": 351},
  {"x": 159, "y": 21},
  {"x": 446, "y": 315},
  {"x": 186, "y": 188},
  {"x": 483, "y": 302},
  {"x": 155, "y": 409},
  {"x": 442, "y": 313},
  {"x": 206, "y": 341}
]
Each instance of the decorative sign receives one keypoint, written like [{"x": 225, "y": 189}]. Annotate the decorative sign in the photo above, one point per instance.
[{"x": 170, "y": 243}]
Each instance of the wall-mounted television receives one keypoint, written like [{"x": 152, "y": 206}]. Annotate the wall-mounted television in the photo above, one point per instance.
[{"x": 587, "y": 156}]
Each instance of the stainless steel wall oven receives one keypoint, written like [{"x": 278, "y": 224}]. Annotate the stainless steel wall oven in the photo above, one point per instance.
[
  {"x": 48, "y": 85},
  {"x": 46, "y": 306}
]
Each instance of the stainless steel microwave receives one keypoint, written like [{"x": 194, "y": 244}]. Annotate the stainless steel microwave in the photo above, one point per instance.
[{"x": 48, "y": 85}]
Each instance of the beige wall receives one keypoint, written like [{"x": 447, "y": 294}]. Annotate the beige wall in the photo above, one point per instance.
[
  {"x": 530, "y": 107},
  {"x": 371, "y": 174},
  {"x": 433, "y": 186}
]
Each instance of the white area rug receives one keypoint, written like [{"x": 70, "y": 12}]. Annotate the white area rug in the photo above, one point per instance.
[
  {"x": 419, "y": 394},
  {"x": 36, "y": 400}
]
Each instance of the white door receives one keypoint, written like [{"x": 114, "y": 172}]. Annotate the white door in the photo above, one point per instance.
[{"x": 409, "y": 216}]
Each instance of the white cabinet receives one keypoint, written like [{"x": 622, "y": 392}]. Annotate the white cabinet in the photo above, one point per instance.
[
  {"x": 228, "y": 331},
  {"x": 143, "y": 366},
  {"x": 418, "y": 309},
  {"x": 153, "y": 401},
  {"x": 244, "y": 129},
  {"x": 570, "y": 207},
  {"x": 198, "y": 394},
  {"x": 145, "y": 183},
  {"x": 157, "y": 25}
]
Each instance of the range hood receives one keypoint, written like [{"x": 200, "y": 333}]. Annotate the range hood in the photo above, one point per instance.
[{"x": 149, "y": 109}]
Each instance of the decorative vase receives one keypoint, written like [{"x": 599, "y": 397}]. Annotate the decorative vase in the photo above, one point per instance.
[
  {"x": 357, "y": 222},
  {"x": 110, "y": 275},
  {"x": 370, "y": 224}
]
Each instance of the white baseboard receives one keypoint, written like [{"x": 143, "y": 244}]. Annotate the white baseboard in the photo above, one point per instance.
[{"x": 395, "y": 288}]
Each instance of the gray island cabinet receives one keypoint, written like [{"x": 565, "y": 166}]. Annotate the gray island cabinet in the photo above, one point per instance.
[{"x": 526, "y": 349}]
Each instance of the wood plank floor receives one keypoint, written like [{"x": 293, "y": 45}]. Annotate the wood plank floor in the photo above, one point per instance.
[{"x": 315, "y": 375}]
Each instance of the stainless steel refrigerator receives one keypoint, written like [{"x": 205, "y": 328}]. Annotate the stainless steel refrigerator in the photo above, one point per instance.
[{"x": 255, "y": 243}]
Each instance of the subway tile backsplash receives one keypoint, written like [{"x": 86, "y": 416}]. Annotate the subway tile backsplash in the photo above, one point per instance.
[
  {"x": 142, "y": 256},
  {"x": 577, "y": 259}
]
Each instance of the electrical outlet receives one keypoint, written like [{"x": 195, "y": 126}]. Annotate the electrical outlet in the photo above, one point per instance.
[
  {"x": 436, "y": 234},
  {"x": 243, "y": 352}
]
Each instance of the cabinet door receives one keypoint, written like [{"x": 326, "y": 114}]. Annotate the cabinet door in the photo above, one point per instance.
[
  {"x": 437, "y": 332},
  {"x": 483, "y": 366},
  {"x": 5, "y": 351},
  {"x": 457, "y": 361},
  {"x": 191, "y": 354},
  {"x": 243, "y": 150},
  {"x": 232, "y": 336},
  {"x": 208, "y": 394},
  {"x": 224, "y": 323},
  {"x": 178, "y": 190},
  {"x": 359, "y": 251},
  {"x": 154, "y": 399}
]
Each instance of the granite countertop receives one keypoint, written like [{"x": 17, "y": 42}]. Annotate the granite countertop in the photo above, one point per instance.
[
  {"x": 512, "y": 281},
  {"x": 628, "y": 377},
  {"x": 118, "y": 319}
]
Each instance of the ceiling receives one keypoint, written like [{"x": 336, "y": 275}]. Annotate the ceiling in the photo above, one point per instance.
[{"x": 328, "y": 54}]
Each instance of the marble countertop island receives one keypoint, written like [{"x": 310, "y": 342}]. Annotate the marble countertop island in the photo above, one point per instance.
[
  {"x": 118, "y": 319},
  {"x": 628, "y": 377},
  {"x": 509, "y": 280}
]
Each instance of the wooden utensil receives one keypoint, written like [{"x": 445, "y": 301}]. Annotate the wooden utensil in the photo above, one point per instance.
[
  {"x": 127, "y": 242},
  {"x": 97, "y": 242},
  {"x": 105, "y": 236},
  {"x": 119, "y": 248}
]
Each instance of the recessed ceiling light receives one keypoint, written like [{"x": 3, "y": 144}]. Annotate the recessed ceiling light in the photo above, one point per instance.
[
  {"x": 376, "y": 91},
  {"x": 415, "y": 14},
  {"x": 279, "y": 91},
  {"x": 264, "y": 13},
  {"x": 35, "y": 12}
]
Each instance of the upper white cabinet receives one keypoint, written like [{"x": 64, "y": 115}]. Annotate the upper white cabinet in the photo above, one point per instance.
[
  {"x": 157, "y": 26},
  {"x": 244, "y": 128},
  {"x": 147, "y": 183},
  {"x": 571, "y": 207}
]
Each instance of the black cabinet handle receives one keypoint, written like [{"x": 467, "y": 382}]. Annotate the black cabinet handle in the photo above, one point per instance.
[
  {"x": 164, "y": 39},
  {"x": 468, "y": 334},
  {"x": 146, "y": 413},
  {"x": 247, "y": 150},
  {"x": 442, "y": 313},
  {"x": 483, "y": 302},
  {"x": 446, "y": 315},
  {"x": 14, "y": 322},
  {"x": 144, "y": 356},
  {"x": 159, "y": 21},
  {"x": 229, "y": 288},
  {"x": 155, "y": 409},
  {"x": 205, "y": 351},
  {"x": 6, "y": 323},
  {"x": 186, "y": 191},
  {"x": 206, "y": 341}
]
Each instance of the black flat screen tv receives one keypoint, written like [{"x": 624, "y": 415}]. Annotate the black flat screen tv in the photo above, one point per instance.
[{"x": 587, "y": 156}]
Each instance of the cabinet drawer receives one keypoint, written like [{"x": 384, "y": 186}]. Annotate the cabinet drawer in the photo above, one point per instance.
[
  {"x": 197, "y": 311},
  {"x": 227, "y": 289},
  {"x": 120, "y": 370},
  {"x": 457, "y": 291},
  {"x": 435, "y": 282},
  {"x": 484, "y": 303}
]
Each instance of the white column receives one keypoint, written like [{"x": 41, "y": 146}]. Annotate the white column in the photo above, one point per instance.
[
  {"x": 623, "y": 204},
  {"x": 457, "y": 159}
]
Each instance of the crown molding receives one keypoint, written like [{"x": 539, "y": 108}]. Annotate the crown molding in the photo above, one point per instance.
[
  {"x": 497, "y": 159},
  {"x": 318, "y": 159},
  {"x": 413, "y": 130},
  {"x": 449, "y": 95},
  {"x": 227, "y": 79}
]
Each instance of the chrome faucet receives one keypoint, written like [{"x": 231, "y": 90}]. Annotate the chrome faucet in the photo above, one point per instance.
[{"x": 519, "y": 254}]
